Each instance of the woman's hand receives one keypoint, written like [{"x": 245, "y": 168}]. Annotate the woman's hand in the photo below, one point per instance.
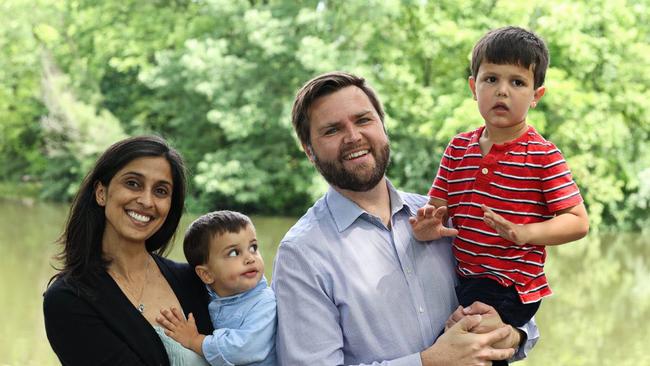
[{"x": 181, "y": 330}]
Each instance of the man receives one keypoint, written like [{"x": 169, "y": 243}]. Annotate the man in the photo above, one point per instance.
[{"x": 352, "y": 284}]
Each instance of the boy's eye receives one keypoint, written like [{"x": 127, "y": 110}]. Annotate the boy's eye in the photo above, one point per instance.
[
  {"x": 253, "y": 248},
  {"x": 518, "y": 83},
  {"x": 491, "y": 79},
  {"x": 233, "y": 253}
]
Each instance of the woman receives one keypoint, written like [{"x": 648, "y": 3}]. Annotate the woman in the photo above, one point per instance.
[{"x": 101, "y": 307}]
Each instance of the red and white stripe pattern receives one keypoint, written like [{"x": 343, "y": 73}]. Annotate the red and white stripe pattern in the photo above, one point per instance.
[{"x": 525, "y": 181}]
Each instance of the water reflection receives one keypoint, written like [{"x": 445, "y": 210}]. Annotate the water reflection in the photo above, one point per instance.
[{"x": 597, "y": 315}]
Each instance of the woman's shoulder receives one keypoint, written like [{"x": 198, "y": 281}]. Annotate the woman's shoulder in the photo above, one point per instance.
[{"x": 172, "y": 267}]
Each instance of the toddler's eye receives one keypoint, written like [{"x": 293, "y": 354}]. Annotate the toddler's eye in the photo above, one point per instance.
[
  {"x": 233, "y": 253},
  {"x": 253, "y": 248}
]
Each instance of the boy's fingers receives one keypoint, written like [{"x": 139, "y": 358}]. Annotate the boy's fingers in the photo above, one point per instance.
[
  {"x": 445, "y": 231},
  {"x": 178, "y": 315}
]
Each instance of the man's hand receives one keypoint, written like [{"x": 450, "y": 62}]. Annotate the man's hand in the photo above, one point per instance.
[
  {"x": 427, "y": 224},
  {"x": 489, "y": 322},
  {"x": 459, "y": 346},
  {"x": 517, "y": 234},
  {"x": 181, "y": 330}
]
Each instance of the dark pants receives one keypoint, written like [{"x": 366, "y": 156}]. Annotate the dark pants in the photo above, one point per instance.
[{"x": 504, "y": 299}]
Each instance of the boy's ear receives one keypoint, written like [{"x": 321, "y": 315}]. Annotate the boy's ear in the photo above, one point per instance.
[
  {"x": 100, "y": 193},
  {"x": 472, "y": 85},
  {"x": 204, "y": 274},
  {"x": 539, "y": 93}
]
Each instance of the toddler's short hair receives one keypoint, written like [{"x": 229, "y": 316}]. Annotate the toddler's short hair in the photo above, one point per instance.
[
  {"x": 515, "y": 46},
  {"x": 196, "y": 244}
]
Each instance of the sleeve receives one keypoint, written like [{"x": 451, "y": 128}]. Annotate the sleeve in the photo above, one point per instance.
[
  {"x": 252, "y": 342},
  {"x": 532, "y": 336},
  {"x": 559, "y": 189},
  {"x": 309, "y": 332},
  {"x": 439, "y": 187},
  {"x": 79, "y": 336}
]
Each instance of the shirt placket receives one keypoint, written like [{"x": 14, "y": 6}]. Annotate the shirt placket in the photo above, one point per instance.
[{"x": 402, "y": 241}]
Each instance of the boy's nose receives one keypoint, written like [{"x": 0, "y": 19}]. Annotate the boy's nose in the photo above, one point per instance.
[
  {"x": 249, "y": 259},
  {"x": 501, "y": 90}
]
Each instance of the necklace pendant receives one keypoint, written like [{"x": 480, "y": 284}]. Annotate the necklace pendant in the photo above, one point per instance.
[{"x": 141, "y": 308}]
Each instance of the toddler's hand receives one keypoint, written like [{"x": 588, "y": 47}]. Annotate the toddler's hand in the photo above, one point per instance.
[
  {"x": 515, "y": 233},
  {"x": 180, "y": 329},
  {"x": 427, "y": 224}
]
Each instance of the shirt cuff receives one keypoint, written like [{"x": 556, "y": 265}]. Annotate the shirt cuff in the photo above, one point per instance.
[
  {"x": 531, "y": 332},
  {"x": 212, "y": 353}
]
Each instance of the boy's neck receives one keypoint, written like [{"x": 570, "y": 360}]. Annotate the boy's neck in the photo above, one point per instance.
[{"x": 492, "y": 135}]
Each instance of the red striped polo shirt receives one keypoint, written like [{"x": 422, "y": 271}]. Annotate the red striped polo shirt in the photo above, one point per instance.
[{"x": 525, "y": 181}]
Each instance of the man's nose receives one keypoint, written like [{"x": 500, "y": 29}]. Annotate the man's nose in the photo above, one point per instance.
[{"x": 352, "y": 134}]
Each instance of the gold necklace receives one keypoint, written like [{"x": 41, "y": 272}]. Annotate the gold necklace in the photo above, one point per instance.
[{"x": 129, "y": 290}]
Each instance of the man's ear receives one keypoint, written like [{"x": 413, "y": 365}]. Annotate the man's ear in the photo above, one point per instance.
[
  {"x": 539, "y": 93},
  {"x": 204, "y": 274},
  {"x": 100, "y": 193},
  {"x": 309, "y": 151},
  {"x": 472, "y": 86}
]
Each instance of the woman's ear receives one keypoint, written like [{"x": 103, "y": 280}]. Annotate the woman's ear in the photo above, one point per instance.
[
  {"x": 100, "y": 194},
  {"x": 204, "y": 274}
]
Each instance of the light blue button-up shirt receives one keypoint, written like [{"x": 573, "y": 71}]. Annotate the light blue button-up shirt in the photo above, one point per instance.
[
  {"x": 352, "y": 291},
  {"x": 244, "y": 328}
]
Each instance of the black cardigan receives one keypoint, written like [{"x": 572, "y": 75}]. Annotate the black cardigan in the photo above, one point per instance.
[{"x": 107, "y": 329}]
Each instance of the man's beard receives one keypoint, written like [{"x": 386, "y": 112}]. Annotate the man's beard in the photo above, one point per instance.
[{"x": 336, "y": 175}]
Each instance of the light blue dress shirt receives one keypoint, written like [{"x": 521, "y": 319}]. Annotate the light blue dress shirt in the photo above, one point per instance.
[
  {"x": 352, "y": 291},
  {"x": 244, "y": 328}
]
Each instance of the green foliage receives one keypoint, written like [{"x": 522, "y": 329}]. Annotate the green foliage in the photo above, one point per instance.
[{"x": 218, "y": 78}]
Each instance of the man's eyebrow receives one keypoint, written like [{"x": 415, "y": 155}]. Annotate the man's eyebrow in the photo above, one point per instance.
[{"x": 356, "y": 115}]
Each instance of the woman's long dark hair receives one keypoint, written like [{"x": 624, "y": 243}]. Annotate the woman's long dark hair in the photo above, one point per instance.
[{"x": 82, "y": 238}]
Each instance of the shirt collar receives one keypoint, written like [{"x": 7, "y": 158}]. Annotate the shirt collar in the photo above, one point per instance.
[
  {"x": 259, "y": 287},
  {"x": 344, "y": 211}
]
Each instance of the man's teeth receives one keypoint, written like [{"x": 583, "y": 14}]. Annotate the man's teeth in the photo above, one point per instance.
[
  {"x": 138, "y": 217},
  {"x": 356, "y": 154}
]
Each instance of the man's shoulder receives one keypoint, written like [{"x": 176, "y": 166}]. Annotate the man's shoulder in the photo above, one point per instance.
[
  {"x": 310, "y": 224},
  {"x": 413, "y": 200}
]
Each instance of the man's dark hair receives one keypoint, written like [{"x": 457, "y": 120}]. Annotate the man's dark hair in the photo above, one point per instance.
[
  {"x": 196, "y": 244},
  {"x": 515, "y": 46},
  {"x": 321, "y": 86}
]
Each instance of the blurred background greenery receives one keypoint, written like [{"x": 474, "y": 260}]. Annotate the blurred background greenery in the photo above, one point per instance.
[{"x": 217, "y": 78}]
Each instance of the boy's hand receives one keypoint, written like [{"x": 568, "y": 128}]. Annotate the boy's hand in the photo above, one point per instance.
[
  {"x": 427, "y": 224},
  {"x": 517, "y": 234},
  {"x": 181, "y": 330}
]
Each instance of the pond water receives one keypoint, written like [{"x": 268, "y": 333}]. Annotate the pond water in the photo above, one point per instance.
[{"x": 598, "y": 314}]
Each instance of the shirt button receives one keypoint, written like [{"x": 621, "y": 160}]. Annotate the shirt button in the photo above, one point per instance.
[
  {"x": 421, "y": 310},
  {"x": 484, "y": 170},
  {"x": 408, "y": 270}
]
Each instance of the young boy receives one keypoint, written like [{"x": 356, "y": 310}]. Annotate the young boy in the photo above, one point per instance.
[
  {"x": 223, "y": 249},
  {"x": 508, "y": 191}
]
